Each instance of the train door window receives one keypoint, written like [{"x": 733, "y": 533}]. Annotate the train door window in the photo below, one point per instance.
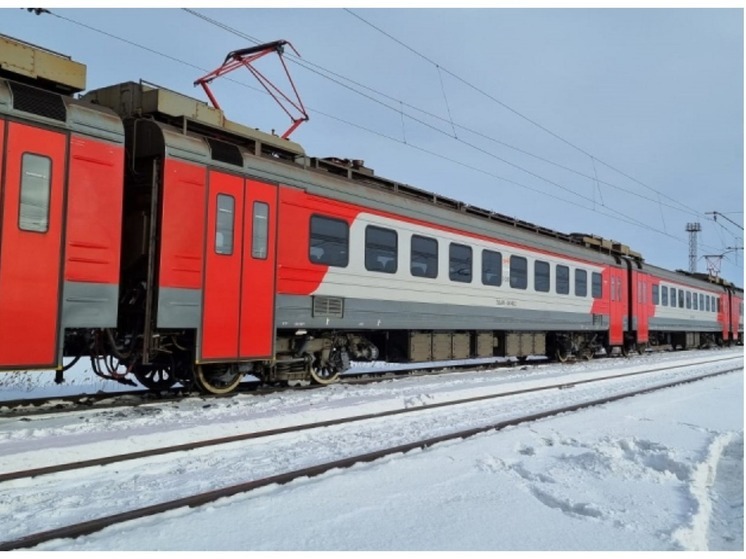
[
  {"x": 701, "y": 302},
  {"x": 492, "y": 267},
  {"x": 664, "y": 296},
  {"x": 259, "y": 231},
  {"x": 597, "y": 286},
  {"x": 381, "y": 250},
  {"x": 581, "y": 283},
  {"x": 656, "y": 298},
  {"x": 562, "y": 280},
  {"x": 329, "y": 241},
  {"x": 424, "y": 262},
  {"x": 695, "y": 301},
  {"x": 518, "y": 272},
  {"x": 226, "y": 208},
  {"x": 459, "y": 263},
  {"x": 688, "y": 299},
  {"x": 541, "y": 276},
  {"x": 36, "y": 173},
  {"x": 681, "y": 298},
  {"x": 718, "y": 303}
]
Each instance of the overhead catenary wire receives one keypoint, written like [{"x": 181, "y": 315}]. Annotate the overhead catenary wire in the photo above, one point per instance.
[
  {"x": 509, "y": 108},
  {"x": 620, "y": 216}
]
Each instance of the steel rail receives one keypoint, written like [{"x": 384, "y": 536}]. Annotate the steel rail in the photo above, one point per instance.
[
  {"x": 95, "y": 525},
  {"x": 57, "y": 468}
]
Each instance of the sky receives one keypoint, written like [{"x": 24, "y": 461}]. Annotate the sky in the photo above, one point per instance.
[
  {"x": 622, "y": 123},
  {"x": 663, "y": 471}
]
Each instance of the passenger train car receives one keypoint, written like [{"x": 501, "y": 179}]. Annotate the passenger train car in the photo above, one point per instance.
[{"x": 141, "y": 227}]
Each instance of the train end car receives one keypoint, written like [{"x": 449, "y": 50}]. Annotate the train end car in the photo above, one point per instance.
[{"x": 61, "y": 178}]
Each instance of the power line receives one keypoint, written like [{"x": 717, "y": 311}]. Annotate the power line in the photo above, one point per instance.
[
  {"x": 511, "y": 109},
  {"x": 305, "y": 64},
  {"x": 624, "y": 218}
]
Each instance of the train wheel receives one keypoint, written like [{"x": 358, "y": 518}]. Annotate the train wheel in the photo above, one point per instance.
[
  {"x": 155, "y": 378},
  {"x": 562, "y": 355},
  {"x": 216, "y": 379},
  {"x": 323, "y": 373}
]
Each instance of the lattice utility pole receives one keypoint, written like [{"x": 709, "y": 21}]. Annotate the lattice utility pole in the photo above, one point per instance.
[{"x": 693, "y": 229}]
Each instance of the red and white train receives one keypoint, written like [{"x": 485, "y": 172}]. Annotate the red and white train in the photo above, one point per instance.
[{"x": 141, "y": 227}]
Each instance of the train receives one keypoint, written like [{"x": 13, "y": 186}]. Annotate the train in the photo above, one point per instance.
[{"x": 143, "y": 229}]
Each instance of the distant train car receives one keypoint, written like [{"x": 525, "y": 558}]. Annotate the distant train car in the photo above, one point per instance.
[{"x": 172, "y": 244}]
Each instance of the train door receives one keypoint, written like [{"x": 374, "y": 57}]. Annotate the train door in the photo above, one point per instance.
[
  {"x": 31, "y": 207},
  {"x": 259, "y": 264},
  {"x": 642, "y": 307},
  {"x": 223, "y": 253},
  {"x": 617, "y": 309}
]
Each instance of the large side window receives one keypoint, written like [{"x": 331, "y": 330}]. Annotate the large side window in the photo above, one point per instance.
[
  {"x": 381, "y": 249},
  {"x": 681, "y": 298},
  {"x": 459, "y": 263},
  {"x": 695, "y": 302},
  {"x": 329, "y": 241},
  {"x": 597, "y": 286},
  {"x": 36, "y": 175},
  {"x": 581, "y": 282},
  {"x": 541, "y": 276},
  {"x": 664, "y": 295},
  {"x": 688, "y": 299},
  {"x": 259, "y": 231},
  {"x": 562, "y": 279},
  {"x": 226, "y": 208},
  {"x": 673, "y": 296},
  {"x": 424, "y": 262},
  {"x": 707, "y": 302},
  {"x": 492, "y": 267},
  {"x": 701, "y": 301},
  {"x": 518, "y": 272},
  {"x": 656, "y": 299}
]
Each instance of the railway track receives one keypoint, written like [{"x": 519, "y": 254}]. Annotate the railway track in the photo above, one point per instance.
[
  {"x": 78, "y": 529},
  {"x": 29, "y": 407}
]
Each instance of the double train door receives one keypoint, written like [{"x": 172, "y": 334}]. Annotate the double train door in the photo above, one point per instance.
[
  {"x": 240, "y": 263},
  {"x": 31, "y": 208}
]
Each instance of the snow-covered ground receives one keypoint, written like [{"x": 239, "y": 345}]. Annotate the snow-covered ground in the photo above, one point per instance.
[{"x": 658, "y": 472}]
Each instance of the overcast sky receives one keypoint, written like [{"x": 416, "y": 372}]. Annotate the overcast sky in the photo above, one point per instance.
[{"x": 623, "y": 123}]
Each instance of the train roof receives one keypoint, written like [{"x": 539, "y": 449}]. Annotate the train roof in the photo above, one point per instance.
[{"x": 51, "y": 70}]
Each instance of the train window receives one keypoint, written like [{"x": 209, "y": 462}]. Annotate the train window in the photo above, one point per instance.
[
  {"x": 681, "y": 298},
  {"x": 718, "y": 302},
  {"x": 562, "y": 279},
  {"x": 329, "y": 241},
  {"x": 424, "y": 262},
  {"x": 581, "y": 283},
  {"x": 695, "y": 301},
  {"x": 36, "y": 173},
  {"x": 381, "y": 250},
  {"x": 664, "y": 296},
  {"x": 459, "y": 263},
  {"x": 492, "y": 267},
  {"x": 688, "y": 299},
  {"x": 673, "y": 296},
  {"x": 518, "y": 272},
  {"x": 707, "y": 303},
  {"x": 701, "y": 302},
  {"x": 259, "y": 231},
  {"x": 226, "y": 208},
  {"x": 656, "y": 299},
  {"x": 541, "y": 276},
  {"x": 597, "y": 286}
]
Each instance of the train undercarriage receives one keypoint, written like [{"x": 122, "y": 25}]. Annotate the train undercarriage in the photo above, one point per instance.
[{"x": 320, "y": 357}]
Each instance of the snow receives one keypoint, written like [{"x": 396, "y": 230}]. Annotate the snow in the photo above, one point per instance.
[{"x": 662, "y": 471}]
